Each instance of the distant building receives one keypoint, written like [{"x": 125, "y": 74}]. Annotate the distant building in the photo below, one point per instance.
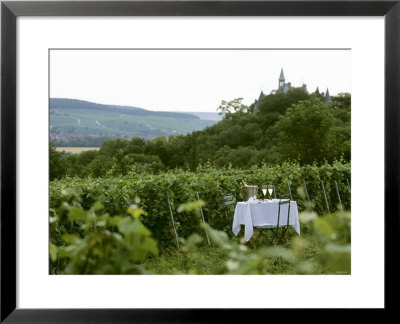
[
  {"x": 327, "y": 96},
  {"x": 257, "y": 102},
  {"x": 284, "y": 87}
]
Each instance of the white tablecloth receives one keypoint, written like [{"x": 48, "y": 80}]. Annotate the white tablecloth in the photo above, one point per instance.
[{"x": 255, "y": 213}]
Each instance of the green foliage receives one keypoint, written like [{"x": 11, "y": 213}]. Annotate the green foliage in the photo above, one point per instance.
[
  {"x": 317, "y": 251},
  {"x": 115, "y": 157},
  {"x": 329, "y": 254},
  {"x": 334, "y": 231},
  {"x": 93, "y": 242},
  {"x": 117, "y": 193},
  {"x": 304, "y": 132},
  {"x": 98, "y": 226},
  {"x": 309, "y": 133},
  {"x": 84, "y": 238},
  {"x": 232, "y": 106},
  {"x": 200, "y": 259},
  {"x": 239, "y": 158},
  {"x": 56, "y": 165},
  {"x": 295, "y": 126},
  {"x": 79, "y": 164}
]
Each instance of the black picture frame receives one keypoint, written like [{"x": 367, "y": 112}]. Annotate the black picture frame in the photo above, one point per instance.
[{"x": 11, "y": 10}]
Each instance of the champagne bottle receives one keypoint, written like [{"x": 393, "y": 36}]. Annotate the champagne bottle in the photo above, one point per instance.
[{"x": 243, "y": 183}]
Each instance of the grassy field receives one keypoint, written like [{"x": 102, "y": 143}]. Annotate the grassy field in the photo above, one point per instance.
[
  {"x": 211, "y": 259},
  {"x": 76, "y": 149},
  {"x": 203, "y": 260}
]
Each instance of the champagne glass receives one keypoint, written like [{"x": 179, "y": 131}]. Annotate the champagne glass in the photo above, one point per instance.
[
  {"x": 264, "y": 190},
  {"x": 270, "y": 190}
]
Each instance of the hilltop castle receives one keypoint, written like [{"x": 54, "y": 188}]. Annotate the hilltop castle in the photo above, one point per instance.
[{"x": 284, "y": 88}]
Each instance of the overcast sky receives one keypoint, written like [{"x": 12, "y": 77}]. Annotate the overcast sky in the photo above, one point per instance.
[{"x": 183, "y": 80}]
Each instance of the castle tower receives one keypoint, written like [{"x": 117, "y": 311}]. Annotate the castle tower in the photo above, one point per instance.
[
  {"x": 257, "y": 105},
  {"x": 281, "y": 81},
  {"x": 327, "y": 96}
]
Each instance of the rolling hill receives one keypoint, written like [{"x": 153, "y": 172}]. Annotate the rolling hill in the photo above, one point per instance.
[{"x": 79, "y": 122}]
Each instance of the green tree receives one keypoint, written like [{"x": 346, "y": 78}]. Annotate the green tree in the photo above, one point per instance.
[
  {"x": 193, "y": 153},
  {"x": 241, "y": 157},
  {"x": 305, "y": 132},
  {"x": 56, "y": 166},
  {"x": 232, "y": 106},
  {"x": 158, "y": 146},
  {"x": 178, "y": 150},
  {"x": 78, "y": 164}
]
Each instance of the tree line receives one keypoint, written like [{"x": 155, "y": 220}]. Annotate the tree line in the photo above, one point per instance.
[{"x": 295, "y": 126}]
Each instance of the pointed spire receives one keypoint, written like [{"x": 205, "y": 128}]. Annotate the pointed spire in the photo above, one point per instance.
[
  {"x": 282, "y": 76},
  {"x": 317, "y": 90},
  {"x": 257, "y": 102},
  {"x": 327, "y": 96}
]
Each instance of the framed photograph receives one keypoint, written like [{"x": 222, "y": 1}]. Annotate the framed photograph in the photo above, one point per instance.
[{"x": 160, "y": 158}]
